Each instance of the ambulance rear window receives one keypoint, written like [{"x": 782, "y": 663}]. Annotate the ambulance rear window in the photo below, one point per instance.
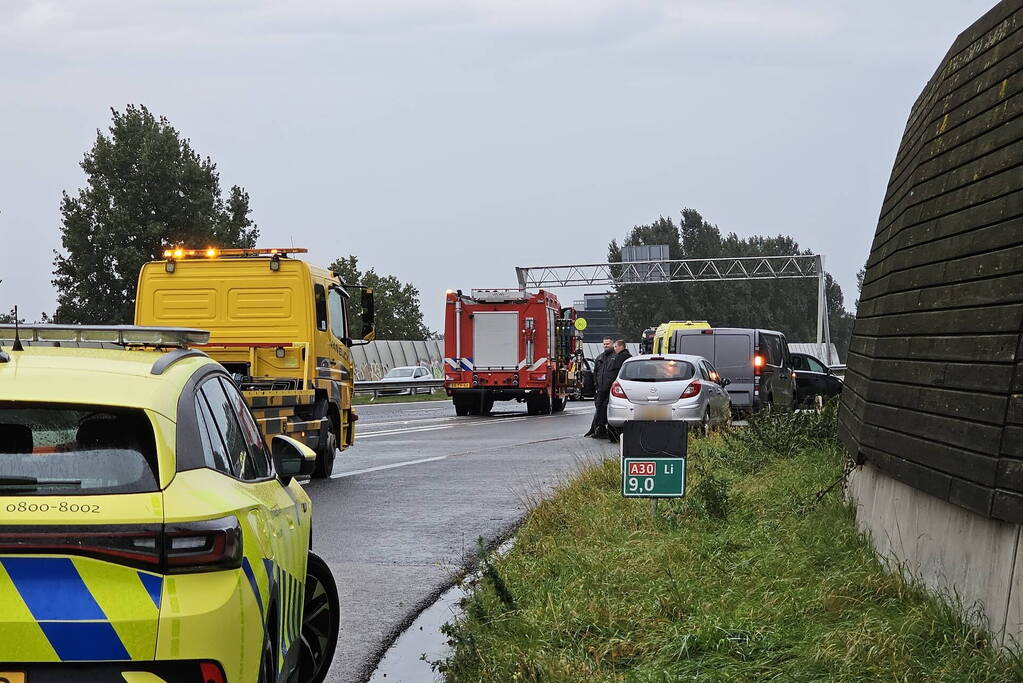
[{"x": 48, "y": 449}]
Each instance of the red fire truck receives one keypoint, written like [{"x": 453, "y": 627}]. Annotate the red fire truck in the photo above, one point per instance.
[{"x": 510, "y": 345}]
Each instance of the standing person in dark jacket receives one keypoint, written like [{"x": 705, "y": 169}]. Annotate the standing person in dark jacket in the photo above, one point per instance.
[
  {"x": 602, "y": 392},
  {"x": 611, "y": 369}
]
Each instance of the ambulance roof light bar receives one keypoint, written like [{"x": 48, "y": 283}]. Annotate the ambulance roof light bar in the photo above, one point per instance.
[{"x": 121, "y": 335}]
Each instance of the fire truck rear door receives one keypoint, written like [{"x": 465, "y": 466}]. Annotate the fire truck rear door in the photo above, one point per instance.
[{"x": 495, "y": 339}]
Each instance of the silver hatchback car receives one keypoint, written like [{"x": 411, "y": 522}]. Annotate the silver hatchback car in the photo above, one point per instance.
[{"x": 669, "y": 387}]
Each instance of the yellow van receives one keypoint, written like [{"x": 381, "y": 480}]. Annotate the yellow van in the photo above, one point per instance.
[
  {"x": 665, "y": 331},
  {"x": 280, "y": 327}
]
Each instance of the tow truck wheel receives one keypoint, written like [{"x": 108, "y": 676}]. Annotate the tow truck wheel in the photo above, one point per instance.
[
  {"x": 325, "y": 454},
  {"x": 321, "y": 619}
]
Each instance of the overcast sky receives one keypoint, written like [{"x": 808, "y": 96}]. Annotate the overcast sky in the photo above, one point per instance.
[{"x": 447, "y": 141}]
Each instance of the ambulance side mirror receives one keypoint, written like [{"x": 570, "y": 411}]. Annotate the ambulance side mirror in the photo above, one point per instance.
[{"x": 291, "y": 458}]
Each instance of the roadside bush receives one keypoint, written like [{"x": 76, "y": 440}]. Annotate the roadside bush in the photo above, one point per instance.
[{"x": 769, "y": 436}]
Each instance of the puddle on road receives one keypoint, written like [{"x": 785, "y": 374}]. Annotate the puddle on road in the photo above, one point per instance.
[{"x": 404, "y": 661}]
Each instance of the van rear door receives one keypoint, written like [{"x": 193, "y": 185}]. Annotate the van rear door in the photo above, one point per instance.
[{"x": 733, "y": 358}]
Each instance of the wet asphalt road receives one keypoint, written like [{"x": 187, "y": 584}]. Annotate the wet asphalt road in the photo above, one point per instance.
[{"x": 405, "y": 506}]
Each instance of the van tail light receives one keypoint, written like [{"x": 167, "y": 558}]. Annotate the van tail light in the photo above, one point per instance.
[
  {"x": 617, "y": 391},
  {"x": 692, "y": 390},
  {"x": 204, "y": 546},
  {"x": 758, "y": 364}
]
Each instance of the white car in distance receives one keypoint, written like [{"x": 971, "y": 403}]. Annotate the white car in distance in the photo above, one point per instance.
[
  {"x": 404, "y": 375},
  {"x": 669, "y": 387}
]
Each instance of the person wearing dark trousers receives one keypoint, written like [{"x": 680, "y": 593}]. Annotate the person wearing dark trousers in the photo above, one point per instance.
[
  {"x": 602, "y": 392},
  {"x": 613, "y": 366}
]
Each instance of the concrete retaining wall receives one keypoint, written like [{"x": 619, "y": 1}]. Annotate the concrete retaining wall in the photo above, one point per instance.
[{"x": 953, "y": 551}]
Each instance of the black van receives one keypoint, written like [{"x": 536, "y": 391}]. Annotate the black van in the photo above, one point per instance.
[{"x": 755, "y": 361}]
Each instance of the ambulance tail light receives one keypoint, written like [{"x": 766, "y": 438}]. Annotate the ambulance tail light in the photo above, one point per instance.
[
  {"x": 211, "y": 673},
  {"x": 174, "y": 549},
  {"x": 133, "y": 545},
  {"x": 206, "y": 546}
]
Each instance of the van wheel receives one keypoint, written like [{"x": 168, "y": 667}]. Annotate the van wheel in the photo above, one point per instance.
[{"x": 321, "y": 619}]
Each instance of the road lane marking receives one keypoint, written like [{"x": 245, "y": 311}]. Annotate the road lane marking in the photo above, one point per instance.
[
  {"x": 414, "y": 430},
  {"x": 341, "y": 475}
]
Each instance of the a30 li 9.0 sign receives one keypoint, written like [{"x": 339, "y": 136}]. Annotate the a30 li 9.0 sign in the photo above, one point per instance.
[{"x": 653, "y": 477}]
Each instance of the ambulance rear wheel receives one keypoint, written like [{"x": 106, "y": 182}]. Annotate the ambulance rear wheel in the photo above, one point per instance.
[{"x": 321, "y": 619}]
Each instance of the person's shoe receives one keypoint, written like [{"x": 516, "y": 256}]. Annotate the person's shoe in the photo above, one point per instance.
[
  {"x": 589, "y": 433},
  {"x": 600, "y": 433},
  {"x": 613, "y": 438}
]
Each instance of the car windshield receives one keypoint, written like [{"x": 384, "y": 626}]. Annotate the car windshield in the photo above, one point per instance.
[
  {"x": 657, "y": 370},
  {"x": 398, "y": 372},
  {"x": 85, "y": 450}
]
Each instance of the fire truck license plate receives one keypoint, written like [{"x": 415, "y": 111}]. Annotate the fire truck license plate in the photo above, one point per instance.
[{"x": 459, "y": 385}]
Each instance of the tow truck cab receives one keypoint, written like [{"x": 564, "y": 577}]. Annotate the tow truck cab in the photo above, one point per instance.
[{"x": 278, "y": 324}]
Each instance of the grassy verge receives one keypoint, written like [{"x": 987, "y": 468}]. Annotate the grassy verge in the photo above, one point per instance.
[
  {"x": 367, "y": 399},
  {"x": 749, "y": 578}
]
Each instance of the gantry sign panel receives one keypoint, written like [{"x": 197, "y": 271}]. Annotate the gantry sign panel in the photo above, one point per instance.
[{"x": 934, "y": 388}]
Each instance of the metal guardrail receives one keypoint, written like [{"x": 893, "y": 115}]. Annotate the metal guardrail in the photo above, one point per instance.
[{"x": 377, "y": 385}]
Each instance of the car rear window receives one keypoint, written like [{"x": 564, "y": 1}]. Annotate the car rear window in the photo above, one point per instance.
[
  {"x": 657, "y": 370},
  {"x": 75, "y": 450}
]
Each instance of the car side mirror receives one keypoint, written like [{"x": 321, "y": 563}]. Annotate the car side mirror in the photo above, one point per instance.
[
  {"x": 725, "y": 382},
  {"x": 291, "y": 458}
]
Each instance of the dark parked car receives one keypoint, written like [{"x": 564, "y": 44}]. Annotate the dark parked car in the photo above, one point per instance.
[
  {"x": 814, "y": 378},
  {"x": 756, "y": 363}
]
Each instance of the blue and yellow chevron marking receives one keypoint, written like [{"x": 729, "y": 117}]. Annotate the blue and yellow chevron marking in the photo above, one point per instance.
[
  {"x": 86, "y": 610},
  {"x": 66, "y": 611},
  {"x": 247, "y": 568}
]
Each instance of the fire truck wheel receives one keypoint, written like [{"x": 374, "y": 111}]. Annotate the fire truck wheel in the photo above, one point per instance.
[
  {"x": 558, "y": 404},
  {"x": 488, "y": 405},
  {"x": 461, "y": 408}
]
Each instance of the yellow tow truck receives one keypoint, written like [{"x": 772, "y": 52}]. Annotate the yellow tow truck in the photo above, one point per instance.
[{"x": 279, "y": 325}]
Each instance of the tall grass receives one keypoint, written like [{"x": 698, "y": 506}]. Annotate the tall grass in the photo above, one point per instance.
[{"x": 748, "y": 578}]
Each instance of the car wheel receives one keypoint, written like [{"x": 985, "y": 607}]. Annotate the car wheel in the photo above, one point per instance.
[
  {"x": 705, "y": 424},
  {"x": 321, "y": 619}
]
